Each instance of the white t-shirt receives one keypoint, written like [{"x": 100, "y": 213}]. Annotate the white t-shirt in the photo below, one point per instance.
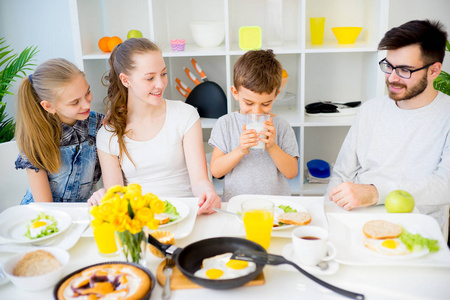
[
  {"x": 394, "y": 148},
  {"x": 160, "y": 162}
]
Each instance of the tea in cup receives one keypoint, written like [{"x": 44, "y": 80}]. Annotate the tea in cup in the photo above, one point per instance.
[
  {"x": 256, "y": 122},
  {"x": 311, "y": 245},
  {"x": 257, "y": 215}
]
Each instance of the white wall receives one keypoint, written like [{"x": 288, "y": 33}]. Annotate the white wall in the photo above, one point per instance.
[
  {"x": 46, "y": 23},
  {"x": 42, "y": 23},
  {"x": 402, "y": 11}
]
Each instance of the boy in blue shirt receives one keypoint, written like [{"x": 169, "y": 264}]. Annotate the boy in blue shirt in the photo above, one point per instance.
[{"x": 257, "y": 81}]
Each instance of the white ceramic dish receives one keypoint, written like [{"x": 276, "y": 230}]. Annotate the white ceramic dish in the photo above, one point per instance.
[
  {"x": 279, "y": 211},
  {"x": 289, "y": 254},
  {"x": 41, "y": 282},
  {"x": 13, "y": 224},
  {"x": 182, "y": 209},
  {"x": 3, "y": 278},
  {"x": 313, "y": 205},
  {"x": 346, "y": 234},
  {"x": 180, "y": 229}
]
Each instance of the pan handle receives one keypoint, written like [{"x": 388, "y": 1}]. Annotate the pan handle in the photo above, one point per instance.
[
  {"x": 167, "y": 250},
  {"x": 335, "y": 289}
]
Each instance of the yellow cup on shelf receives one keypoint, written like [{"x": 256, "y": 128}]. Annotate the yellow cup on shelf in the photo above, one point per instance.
[
  {"x": 105, "y": 239},
  {"x": 257, "y": 215},
  {"x": 317, "y": 26}
]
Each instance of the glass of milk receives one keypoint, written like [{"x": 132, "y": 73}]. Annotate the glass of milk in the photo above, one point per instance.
[{"x": 256, "y": 122}]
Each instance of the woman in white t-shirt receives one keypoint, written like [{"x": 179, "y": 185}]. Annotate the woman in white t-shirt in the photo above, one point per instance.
[{"x": 151, "y": 141}]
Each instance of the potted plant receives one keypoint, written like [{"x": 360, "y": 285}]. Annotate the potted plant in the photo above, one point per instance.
[
  {"x": 15, "y": 67},
  {"x": 442, "y": 82}
]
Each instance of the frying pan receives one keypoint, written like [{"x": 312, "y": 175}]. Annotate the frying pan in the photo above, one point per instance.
[
  {"x": 209, "y": 99},
  {"x": 189, "y": 259}
]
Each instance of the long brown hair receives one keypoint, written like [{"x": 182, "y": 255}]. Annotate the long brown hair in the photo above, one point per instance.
[
  {"x": 121, "y": 61},
  {"x": 38, "y": 132}
]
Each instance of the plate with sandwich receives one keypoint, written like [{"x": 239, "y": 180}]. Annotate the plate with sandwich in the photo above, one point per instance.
[
  {"x": 388, "y": 239},
  {"x": 289, "y": 213},
  {"x": 175, "y": 212}
]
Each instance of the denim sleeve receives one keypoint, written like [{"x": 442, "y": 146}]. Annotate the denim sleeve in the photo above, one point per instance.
[{"x": 22, "y": 162}]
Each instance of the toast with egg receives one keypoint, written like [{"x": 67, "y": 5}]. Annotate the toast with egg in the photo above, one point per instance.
[
  {"x": 36, "y": 263},
  {"x": 380, "y": 229},
  {"x": 295, "y": 218}
]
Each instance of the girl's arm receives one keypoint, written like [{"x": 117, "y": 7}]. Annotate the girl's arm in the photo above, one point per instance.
[
  {"x": 111, "y": 174},
  {"x": 196, "y": 165},
  {"x": 39, "y": 185},
  {"x": 111, "y": 170}
]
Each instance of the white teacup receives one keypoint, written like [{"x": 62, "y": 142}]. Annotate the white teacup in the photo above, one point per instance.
[{"x": 311, "y": 245}]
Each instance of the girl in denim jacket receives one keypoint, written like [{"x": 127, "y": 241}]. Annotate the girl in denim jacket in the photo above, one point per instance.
[{"x": 56, "y": 134}]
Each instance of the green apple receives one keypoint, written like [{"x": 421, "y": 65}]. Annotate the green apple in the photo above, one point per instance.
[
  {"x": 134, "y": 34},
  {"x": 399, "y": 201}
]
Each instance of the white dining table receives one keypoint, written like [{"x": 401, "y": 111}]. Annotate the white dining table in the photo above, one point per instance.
[{"x": 375, "y": 282}]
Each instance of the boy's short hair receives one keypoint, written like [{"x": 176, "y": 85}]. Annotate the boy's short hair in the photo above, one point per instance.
[
  {"x": 259, "y": 71},
  {"x": 429, "y": 35}
]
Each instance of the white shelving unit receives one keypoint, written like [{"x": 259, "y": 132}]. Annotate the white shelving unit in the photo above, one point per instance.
[{"x": 329, "y": 72}]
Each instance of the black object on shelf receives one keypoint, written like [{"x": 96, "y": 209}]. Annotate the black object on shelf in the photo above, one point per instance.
[
  {"x": 209, "y": 99},
  {"x": 328, "y": 107}
]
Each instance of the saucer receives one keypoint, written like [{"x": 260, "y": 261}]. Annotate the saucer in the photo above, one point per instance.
[{"x": 288, "y": 253}]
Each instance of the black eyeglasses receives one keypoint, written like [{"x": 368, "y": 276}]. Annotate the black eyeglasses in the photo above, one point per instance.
[{"x": 401, "y": 71}]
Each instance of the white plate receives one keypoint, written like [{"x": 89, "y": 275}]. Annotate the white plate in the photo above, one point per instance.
[
  {"x": 182, "y": 209},
  {"x": 313, "y": 205},
  {"x": 13, "y": 224},
  {"x": 3, "y": 278},
  {"x": 346, "y": 234},
  {"x": 279, "y": 211},
  {"x": 180, "y": 229},
  {"x": 289, "y": 254}
]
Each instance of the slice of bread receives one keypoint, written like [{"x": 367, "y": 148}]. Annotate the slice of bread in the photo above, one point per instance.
[
  {"x": 295, "y": 218},
  {"x": 163, "y": 218},
  {"x": 380, "y": 229},
  {"x": 36, "y": 263}
]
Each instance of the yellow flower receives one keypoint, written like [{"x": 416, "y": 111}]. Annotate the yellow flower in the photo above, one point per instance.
[
  {"x": 134, "y": 226},
  {"x": 157, "y": 206},
  {"x": 117, "y": 189},
  {"x": 145, "y": 214},
  {"x": 120, "y": 223},
  {"x": 153, "y": 224},
  {"x": 135, "y": 186},
  {"x": 97, "y": 222}
]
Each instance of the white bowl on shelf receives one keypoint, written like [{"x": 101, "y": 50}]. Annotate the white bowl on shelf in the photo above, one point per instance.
[
  {"x": 208, "y": 34},
  {"x": 40, "y": 282}
]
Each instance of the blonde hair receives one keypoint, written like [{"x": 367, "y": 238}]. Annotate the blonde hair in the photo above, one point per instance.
[
  {"x": 121, "y": 61},
  {"x": 259, "y": 71},
  {"x": 38, "y": 132}
]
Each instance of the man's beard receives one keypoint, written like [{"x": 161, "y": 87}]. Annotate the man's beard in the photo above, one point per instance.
[{"x": 410, "y": 92}]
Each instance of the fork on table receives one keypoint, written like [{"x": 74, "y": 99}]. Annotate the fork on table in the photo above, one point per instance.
[{"x": 170, "y": 263}]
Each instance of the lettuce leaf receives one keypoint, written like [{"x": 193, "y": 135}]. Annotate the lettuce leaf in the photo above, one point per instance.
[
  {"x": 416, "y": 242},
  {"x": 48, "y": 230},
  {"x": 171, "y": 211},
  {"x": 287, "y": 208}
]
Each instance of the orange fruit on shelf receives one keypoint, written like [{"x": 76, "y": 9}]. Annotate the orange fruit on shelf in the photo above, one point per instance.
[
  {"x": 114, "y": 41},
  {"x": 284, "y": 74},
  {"x": 103, "y": 43}
]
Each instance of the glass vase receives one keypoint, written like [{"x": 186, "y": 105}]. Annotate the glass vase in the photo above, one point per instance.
[{"x": 133, "y": 247}]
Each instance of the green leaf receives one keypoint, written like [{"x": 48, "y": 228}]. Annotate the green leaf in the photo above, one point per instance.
[{"x": 442, "y": 83}]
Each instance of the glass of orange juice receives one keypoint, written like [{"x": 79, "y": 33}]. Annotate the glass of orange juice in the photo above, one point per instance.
[
  {"x": 257, "y": 215},
  {"x": 105, "y": 239}
]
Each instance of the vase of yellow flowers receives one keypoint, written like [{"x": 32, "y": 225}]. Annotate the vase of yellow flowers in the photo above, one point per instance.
[{"x": 129, "y": 212}]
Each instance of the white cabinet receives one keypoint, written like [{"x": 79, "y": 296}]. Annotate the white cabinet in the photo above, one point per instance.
[{"x": 329, "y": 72}]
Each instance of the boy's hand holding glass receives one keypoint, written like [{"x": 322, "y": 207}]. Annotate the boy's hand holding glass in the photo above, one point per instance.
[
  {"x": 269, "y": 134},
  {"x": 248, "y": 138}
]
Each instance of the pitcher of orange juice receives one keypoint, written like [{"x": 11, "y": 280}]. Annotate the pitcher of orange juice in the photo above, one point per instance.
[{"x": 257, "y": 215}]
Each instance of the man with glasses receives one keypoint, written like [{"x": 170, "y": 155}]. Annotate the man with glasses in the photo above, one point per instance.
[{"x": 401, "y": 141}]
